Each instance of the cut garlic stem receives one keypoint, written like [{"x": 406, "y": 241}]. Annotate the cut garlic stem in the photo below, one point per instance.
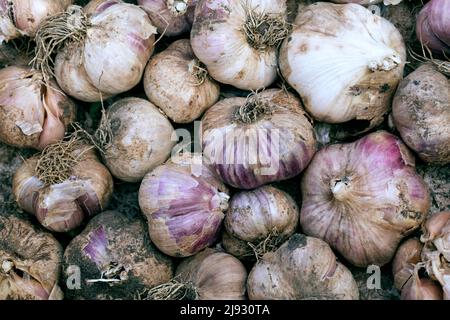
[{"x": 7, "y": 266}]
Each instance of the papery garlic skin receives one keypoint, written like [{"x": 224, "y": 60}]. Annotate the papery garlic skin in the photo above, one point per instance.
[
  {"x": 344, "y": 61},
  {"x": 184, "y": 203},
  {"x": 255, "y": 215},
  {"x": 303, "y": 268},
  {"x": 219, "y": 41},
  {"x": 114, "y": 247},
  {"x": 405, "y": 260},
  {"x": 32, "y": 115},
  {"x": 174, "y": 82},
  {"x": 421, "y": 289},
  {"x": 64, "y": 206},
  {"x": 421, "y": 113},
  {"x": 142, "y": 139},
  {"x": 30, "y": 262},
  {"x": 436, "y": 253},
  {"x": 22, "y": 17},
  {"x": 364, "y": 197},
  {"x": 118, "y": 44},
  {"x": 432, "y": 26},
  {"x": 214, "y": 275},
  {"x": 255, "y": 141},
  {"x": 171, "y": 17}
]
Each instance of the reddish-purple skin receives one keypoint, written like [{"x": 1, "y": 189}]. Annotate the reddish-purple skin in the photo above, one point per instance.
[
  {"x": 87, "y": 205},
  {"x": 427, "y": 35},
  {"x": 105, "y": 5},
  {"x": 439, "y": 15},
  {"x": 97, "y": 248},
  {"x": 242, "y": 176},
  {"x": 189, "y": 204}
]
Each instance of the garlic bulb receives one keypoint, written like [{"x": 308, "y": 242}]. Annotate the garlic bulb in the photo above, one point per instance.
[
  {"x": 264, "y": 138},
  {"x": 114, "y": 42},
  {"x": 433, "y": 26},
  {"x": 30, "y": 262},
  {"x": 171, "y": 17},
  {"x": 116, "y": 259},
  {"x": 176, "y": 82},
  {"x": 209, "y": 275},
  {"x": 259, "y": 220},
  {"x": 184, "y": 203},
  {"x": 32, "y": 114},
  {"x": 22, "y": 17},
  {"x": 421, "y": 113},
  {"x": 140, "y": 138},
  {"x": 405, "y": 260},
  {"x": 303, "y": 268},
  {"x": 363, "y": 198},
  {"x": 238, "y": 40},
  {"x": 63, "y": 186},
  {"x": 344, "y": 61},
  {"x": 418, "y": 288},
  {"x": 436, "y": 252}
]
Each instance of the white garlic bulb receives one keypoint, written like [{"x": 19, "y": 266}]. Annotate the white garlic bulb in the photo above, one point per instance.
[{"x": 344, "y": 61}]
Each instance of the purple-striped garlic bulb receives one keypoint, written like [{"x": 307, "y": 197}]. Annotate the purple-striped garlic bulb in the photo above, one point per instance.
[
  {"x": 30, "y": 261},
  {"x": 363, "y": 197},
  {"x": 63, "y": 186},
  {"x": 265, "y": 138},
  {"x": 433, "y": 26},
  {"x": 303, "y": 268},
  {"x": 258, "y": 221},
  {"x": 22, "y": 17},
  {"x": 116, "y": 259},
  {"x": 171, "y": 17},
  {"x": 184, "y": 202},
  {"x": 238, "y": 40},
  {"x": 421, "y": 288},
  {"x": 113, "y": 40},
  {"x": 32, "y": 114}
]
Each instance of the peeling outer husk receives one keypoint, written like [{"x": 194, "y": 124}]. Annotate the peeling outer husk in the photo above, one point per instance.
[
  {"x": 112, "y": 40},
  {"x": 238, "y": 40},
  {"x": 405, "y": 260},
  {"x": 184, "y": 202},
  {"x": 177, "y": 82},
  {"x": 209, "y": 275},
  {"x": 258, "y": 221},
  {"x": 421, "y": 113},
  {"x": 135, "y": 138},
  {"x": 22, "y": 17},
  {"x": 433, "y": 26},
  {"x": 171, "y": 17},
  {"x": 30, "y": 262},
  {"x": 32, "y": 114},
  {"x": 265, "y": 138},
  {"x": 363, "y": 197},
  {"x": 344, "y": 61},
  {"x": 116, "y": 259},
  {"x": 418, "y": 288},
  {"x": 303, "y": 268},
  {"x": 436, "y": 253},
  {"x": 63, "y": 186}
]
